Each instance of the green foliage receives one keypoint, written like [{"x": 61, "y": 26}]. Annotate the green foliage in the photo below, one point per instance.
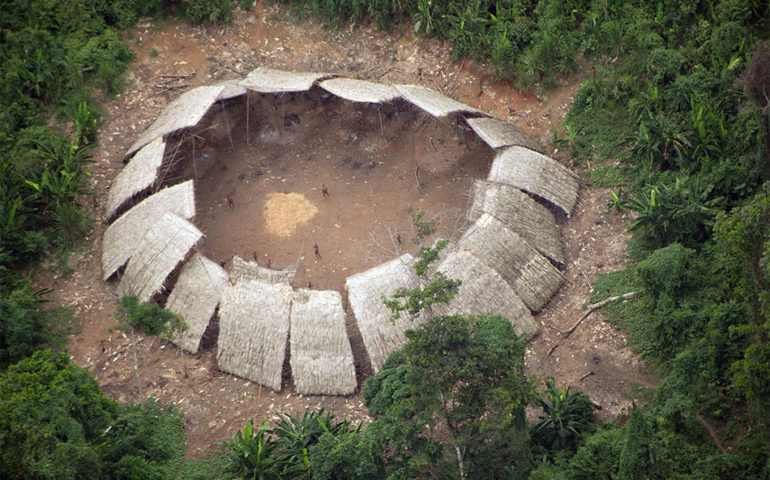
[
  {"x": 147, "y": 316},
  {"x": 56, "y": 423},
  {"x": 206, "y": 11},
  {"x": 434, "y": 287},
  {"x": 26, "y": 328},
  {"x": 347, "y": 456},
  {"x": 254, "y": 453},
  {"x": 294, "y": 437},
  {"x": 566, "y": 418},
  {"x": 455, "y": 393}
]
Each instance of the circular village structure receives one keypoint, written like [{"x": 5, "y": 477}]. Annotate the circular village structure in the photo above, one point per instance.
[{"x": 508, "y": 253}]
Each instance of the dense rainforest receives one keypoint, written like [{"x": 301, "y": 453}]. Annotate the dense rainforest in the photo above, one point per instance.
[{"x": 675, "y": 119}]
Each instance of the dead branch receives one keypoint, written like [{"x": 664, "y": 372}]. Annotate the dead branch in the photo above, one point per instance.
[
  {"x": 586, "y": 376},
  {"x": 591, "y": 307},
  {"x": 182, "y": 75},
  {"x": 712, "y": 432}
]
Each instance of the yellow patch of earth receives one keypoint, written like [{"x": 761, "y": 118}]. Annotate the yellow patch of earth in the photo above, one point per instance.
[{"x": 285, "y": 211}]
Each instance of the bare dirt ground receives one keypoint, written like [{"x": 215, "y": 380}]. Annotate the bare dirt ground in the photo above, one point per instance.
[{"x": 593, "y": 359}]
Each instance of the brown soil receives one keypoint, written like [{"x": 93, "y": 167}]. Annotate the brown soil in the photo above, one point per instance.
[{"x": 369, "y": 198}]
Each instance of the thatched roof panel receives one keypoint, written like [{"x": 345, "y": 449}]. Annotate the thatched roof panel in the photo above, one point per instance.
[
  {"x": 537, "y": 174},
  {"x": 253, "y": 330},
  {"x": 529, "y": 273},
  {"x": 359, "y": 90},
  {"x": 499, "y": 133},
  {"x": 321, "y": 357},
  {"x": 519, "y": 212},
  {"x": 243, "y": 269},
  {"x": 164, "y": 245},
  {"x": 185, "y": 111},
  {"x": 140, "y": 173},
  {"x": 483, "y": 291},
  {"x": 268, "y": 80},
  {"x": 433, "y": 102},
  {"x": 195, "y": 297},
  {"x": 380, "y": 334},
  {"x": 121, "y": 239},
  {"x": 231, "y": 89}
]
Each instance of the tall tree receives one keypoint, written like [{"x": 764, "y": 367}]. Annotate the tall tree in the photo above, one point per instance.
[{"x": 451, "y": 401}]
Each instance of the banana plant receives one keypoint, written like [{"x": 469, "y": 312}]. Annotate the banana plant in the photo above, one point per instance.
[{"x": 253, "y": 452}]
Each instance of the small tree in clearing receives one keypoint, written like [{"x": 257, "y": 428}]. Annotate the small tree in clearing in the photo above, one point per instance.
[{"x": 150, "y": 319}]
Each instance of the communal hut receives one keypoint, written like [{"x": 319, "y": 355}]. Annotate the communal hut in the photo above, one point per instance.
[
  {"x": 253, "y": 330},
  {"x": 163, "y": 247},
  {"x": 537, "y": 174},
  {"x": 121, "y": 239},
  {"x": 380, "y": 332},
  {"x": 483, "y": 291},
  {"x": 529, "y": 273},
  {"x": 520, "y": 213},
  {"x": 320, "y": 355},
  {"x": 195, "y": 298}
]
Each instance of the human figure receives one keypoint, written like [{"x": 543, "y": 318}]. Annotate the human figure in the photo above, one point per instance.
[
  {"x": 230, "y": 201},
  {"x": 324, "y": 190},
  {"x": 254, "y": 254},
  {"x": 309, "y": 284},
  {"x": 268, "y": 263},
  {"x": 398, "y": 238},
  {"x": 317, "y": 253}
]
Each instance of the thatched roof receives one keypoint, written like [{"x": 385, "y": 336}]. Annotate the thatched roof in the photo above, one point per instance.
[
  {"x": 537, "y": 174},
  {"x": 483, "y": 291},
  {"x": 433, "y": 102},
  {"x": 164, "y": 245},
  {"x": 253, "y": 329},
  {"x": 186, "y": 111},
  {"x": 519, "y": 212},
  {"x": 122, "y": 238},
  {"x": 530, "y": 274},
  {"x": 243, "y": 269},
  {"x": 140, "y": 173},
  {"x": 499, "y": 133},
  {"x": 359, "y": 90},
  {"x": 381, "y": 335},
  {"x": 267, "y": 80},
  {"x": 231, "y": 89},
  {"x": 321, "y": 357},
  {"x": 195, "y": 297}
]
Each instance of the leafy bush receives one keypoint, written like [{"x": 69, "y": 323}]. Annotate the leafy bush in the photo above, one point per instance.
[{"x": 566, "y": 418}]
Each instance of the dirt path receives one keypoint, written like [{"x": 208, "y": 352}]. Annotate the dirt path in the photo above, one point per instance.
[{"x": 216, "y": 404}]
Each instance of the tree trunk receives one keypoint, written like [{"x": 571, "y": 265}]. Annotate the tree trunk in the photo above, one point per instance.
[{"x": 136, "y": 368}]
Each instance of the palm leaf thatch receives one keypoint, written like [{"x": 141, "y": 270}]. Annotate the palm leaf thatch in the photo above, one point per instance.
[
  {"x": 359, "y": 90},
  {"x": 121, "y": 239},
  {"x": 530, "y": 274},
  {"x": 499, "y": 133},
  {"x": 186, "y": 111},
  {"x": 253, "y": 329},
  {"x": 268, "y": 80},
  {"x": 140, "y": 173},
  {"x": 231, "y": 89},
  {"x": 164, "y": 245},
  {"x": 321, "y": 357},
  {"x": 433, "y": 102},
  {"x": 243, "y": 269},
  {"x": 537, "y": 174},
  {"x": 381, "y": 334},
  {"x": 483, "y": 291},
  {"x": 519, "y": 212},
  {"x": 195, "y": 298}
]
